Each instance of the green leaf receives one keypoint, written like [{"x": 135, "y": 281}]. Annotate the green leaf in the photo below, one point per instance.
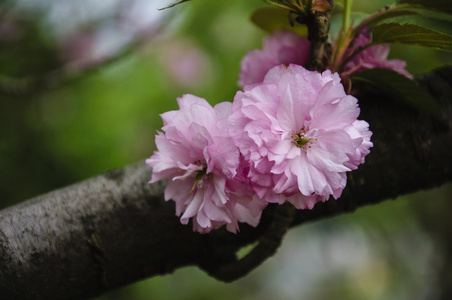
[
  {"x": 275, "y": 18},
  {"x": 382, "y": 16},
  {"x": 441, "y": 5},
  {"x": 415, "y": 29},
  {"x": 400, "y": 88},
  {"x": 281, "y": 3},
  {"x": 296, "y": 6}
]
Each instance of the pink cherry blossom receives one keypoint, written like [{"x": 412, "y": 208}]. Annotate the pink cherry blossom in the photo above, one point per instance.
[
  {"x": 300, "y": 134},
  {"x": 282, "y": 47},
  {"x": 203, "y": 167},
  {"x": 373, "y": 57}
]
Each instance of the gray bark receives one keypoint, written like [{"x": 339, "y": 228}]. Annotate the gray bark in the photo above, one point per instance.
[{"x": 115, "y": 229}]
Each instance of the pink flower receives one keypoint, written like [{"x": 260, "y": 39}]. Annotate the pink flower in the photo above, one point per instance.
[
  {"x": 373, "y": 57},
  {"x": 283, "y": 47},
  {"x": 300, "y": 134},
  {"x": 203, "y": 167}
]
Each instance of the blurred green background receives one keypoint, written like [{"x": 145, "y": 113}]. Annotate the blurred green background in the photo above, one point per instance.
[{"x": 82, "y": 84}]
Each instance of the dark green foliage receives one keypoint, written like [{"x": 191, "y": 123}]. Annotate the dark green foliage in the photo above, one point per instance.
[
  {"x": 441, "y": 5},
  {"x": 416, "y": 29}
]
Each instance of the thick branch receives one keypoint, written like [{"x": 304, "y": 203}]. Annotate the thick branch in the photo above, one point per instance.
[
  {"x": 109, "y": 231},
  {"x": 318, "y": 27}
]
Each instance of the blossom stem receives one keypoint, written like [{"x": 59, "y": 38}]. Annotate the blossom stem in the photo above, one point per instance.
[
  {"x": 348, "y": 33},
  {"x": 347, "y": 15},
  {"x": 342, "y": 43}
]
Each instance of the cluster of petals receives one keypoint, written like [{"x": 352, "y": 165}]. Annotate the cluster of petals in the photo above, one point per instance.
[
  {"x": 202, "y": 165},
  {"x": 290, "y": 138},
  {"x": 286, "y": 47},
  {"x": 299, "y": 132},
  {"x": 375, "y": 56},
  {"x": 282, "y": 47}
]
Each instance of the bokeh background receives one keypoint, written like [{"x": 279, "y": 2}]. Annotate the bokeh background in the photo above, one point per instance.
[{"x": 82, "y": 84}]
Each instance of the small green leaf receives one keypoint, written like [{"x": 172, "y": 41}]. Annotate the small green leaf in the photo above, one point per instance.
[
  {"x": 275, "y": 18},
  {"x": 400, "y": 88},
  {"x": 415, "y": 30},
  {"x": 281, "y": 3},
  {"x": 296, "y": 6},
  {"x": 382, "y": 16},
  {"x": 441, "y": 5}
]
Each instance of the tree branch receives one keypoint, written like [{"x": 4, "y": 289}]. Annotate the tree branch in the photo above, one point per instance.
[
  {"x": 114, "y": 229},
  {"x": 318, "y": 27}
]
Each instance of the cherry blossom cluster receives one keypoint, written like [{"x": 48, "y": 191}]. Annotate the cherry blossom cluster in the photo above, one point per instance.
[
  {"x": 290, "y": 135},
  {"x": 287, "y": 47}
]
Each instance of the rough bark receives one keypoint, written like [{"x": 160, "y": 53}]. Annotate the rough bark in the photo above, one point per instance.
[
  {"x": 114, "y": 229},
  {"x": 318, "y": 27}
]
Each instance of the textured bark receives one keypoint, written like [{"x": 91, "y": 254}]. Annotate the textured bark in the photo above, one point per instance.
[
  {"x": 114, "y": 229},
  {"x": 318, "y": 27}
]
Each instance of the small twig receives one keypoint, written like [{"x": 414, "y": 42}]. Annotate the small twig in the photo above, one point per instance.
[
  {"x": 173, "y": 4},
  {"x": 267, "y": 247}
]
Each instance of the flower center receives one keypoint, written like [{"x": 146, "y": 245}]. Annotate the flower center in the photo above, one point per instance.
[
  {"x": 199, "y": 175},
  {"x": 299, "y": 139}
]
